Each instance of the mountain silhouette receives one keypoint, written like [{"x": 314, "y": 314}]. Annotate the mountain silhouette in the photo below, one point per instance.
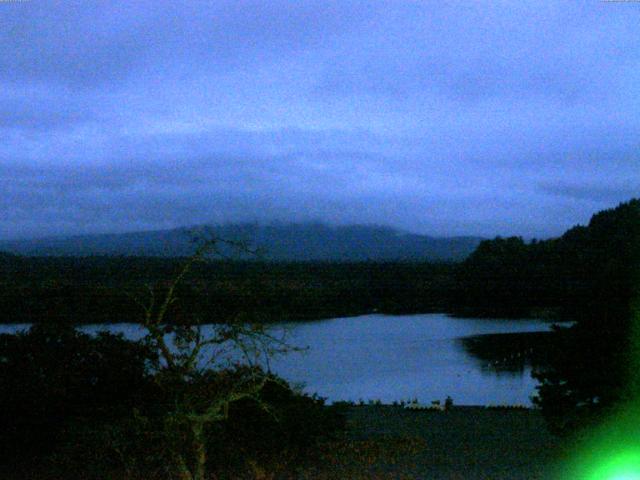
[{"x": 278, "y": 242}]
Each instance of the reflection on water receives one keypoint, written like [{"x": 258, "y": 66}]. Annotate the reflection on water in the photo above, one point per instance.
[
  {"x": 390, "y": 357},
  {"x": 399, "y": 357},
  {"x": 507, "y": 353}
]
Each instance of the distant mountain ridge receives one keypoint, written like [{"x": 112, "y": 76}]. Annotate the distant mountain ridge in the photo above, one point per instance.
[{"x": 279, "y": 242}]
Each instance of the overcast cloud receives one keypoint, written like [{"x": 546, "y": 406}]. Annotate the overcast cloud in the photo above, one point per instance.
[{"x": 445, "y": 118}]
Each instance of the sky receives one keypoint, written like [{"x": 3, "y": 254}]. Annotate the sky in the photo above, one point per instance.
[{"x": 442, "y": 118}]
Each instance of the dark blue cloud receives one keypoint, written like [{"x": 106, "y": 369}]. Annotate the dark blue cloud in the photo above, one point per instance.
[
  {"x": 443, "y": 118},
  {"x": 593, "y": 192}
]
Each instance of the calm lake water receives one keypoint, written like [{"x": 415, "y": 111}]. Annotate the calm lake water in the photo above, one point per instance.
[{"x": 391, "y": 357}]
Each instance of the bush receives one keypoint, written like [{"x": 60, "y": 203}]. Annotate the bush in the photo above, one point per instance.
[
  {"x": 273, "y": 439},
  {"x": 54, "y": 377},
  {"x": 71, "y": 402}
]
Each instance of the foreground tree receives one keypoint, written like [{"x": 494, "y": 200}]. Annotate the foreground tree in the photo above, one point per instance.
[
  {"x": 201, "y": 371},
  {"x": 593, "y": 368},
  {"x": 189, "y": 400}
]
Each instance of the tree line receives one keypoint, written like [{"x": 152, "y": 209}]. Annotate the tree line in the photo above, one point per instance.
[
  {"x": 590, "y": 275},
  {"x": 102, "y": 289}
]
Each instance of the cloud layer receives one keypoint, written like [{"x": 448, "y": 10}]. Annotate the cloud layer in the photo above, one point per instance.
[{"x": 441, "y": 118}]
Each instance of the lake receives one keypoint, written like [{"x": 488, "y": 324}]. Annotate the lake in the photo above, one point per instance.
[{"x": 392, "y": 358}]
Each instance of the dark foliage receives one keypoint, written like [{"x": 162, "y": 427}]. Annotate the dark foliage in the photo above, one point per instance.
[
  {"x": 54, "y": 378},
  {"x": 495, "y": 280},
  {"x": 588, "y": 274},
  {"x": 591, "y": 275},
  {"x": 252, "y": 439},
  {"x": 71, "y": 402},
  {"x": 275, "y": 439},
  {"x": 101, "y": 289},
  {"x": 584, "y": 376}
]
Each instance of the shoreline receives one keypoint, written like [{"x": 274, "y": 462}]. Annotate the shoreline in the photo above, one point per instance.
[{"x": 464, "y": 442}]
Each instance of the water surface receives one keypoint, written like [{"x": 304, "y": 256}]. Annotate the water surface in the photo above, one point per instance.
[
  {"x": 400, "y": 357},
  {"x": 391, "y": 358}
]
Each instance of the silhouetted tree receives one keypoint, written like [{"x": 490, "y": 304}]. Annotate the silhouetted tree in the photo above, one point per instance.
[
  {"x": 201, "y": 375},
  {"x": 592, "y": 367}
]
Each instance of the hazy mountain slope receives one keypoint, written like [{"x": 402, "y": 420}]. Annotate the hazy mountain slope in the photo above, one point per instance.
[{"x": 296, "y": 241}]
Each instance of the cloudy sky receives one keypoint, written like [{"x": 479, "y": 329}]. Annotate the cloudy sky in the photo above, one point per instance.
[{"x": 444, "y": 118}]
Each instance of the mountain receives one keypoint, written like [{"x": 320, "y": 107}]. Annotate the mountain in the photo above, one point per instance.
[{"x": 279, "y": 242}]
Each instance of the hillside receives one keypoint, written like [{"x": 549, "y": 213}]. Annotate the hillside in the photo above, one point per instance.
[
  {"x": 279, "y": 242},
  {"x": 589, "y": 273}
]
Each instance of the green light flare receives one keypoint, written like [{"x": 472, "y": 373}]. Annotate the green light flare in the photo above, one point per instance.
[
  {"x": 612, "y": 450},
  {"x": 624, "y": 466},
  {"x": 626, "y": 476}
]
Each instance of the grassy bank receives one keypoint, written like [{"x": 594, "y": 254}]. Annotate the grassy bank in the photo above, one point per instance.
[{"x": 388, "y": 442}]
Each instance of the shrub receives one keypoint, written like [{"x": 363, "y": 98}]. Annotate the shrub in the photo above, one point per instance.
[{"x": 54, "y": 377}]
